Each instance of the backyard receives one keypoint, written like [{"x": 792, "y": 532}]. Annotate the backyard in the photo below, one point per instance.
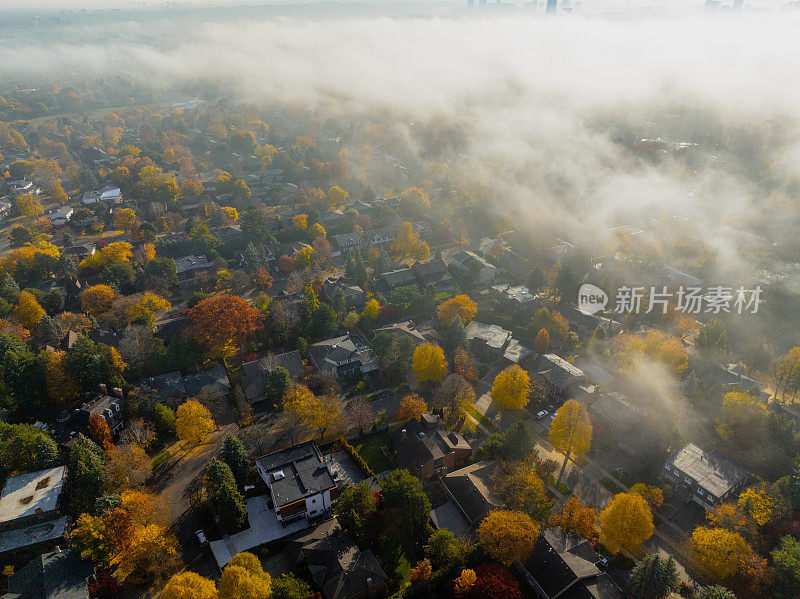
[{"x": 370, "y": 449}]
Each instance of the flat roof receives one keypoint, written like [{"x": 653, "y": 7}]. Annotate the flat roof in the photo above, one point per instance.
[
  {"x": 19, "y": 538},
  {"x": 33, "y": 493},
  {"x": 712, "y": 472}
]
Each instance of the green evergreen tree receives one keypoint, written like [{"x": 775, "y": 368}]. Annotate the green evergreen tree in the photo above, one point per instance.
[
  {"x": 653, "y": 578},
  {"x": 235, "y": 456}
]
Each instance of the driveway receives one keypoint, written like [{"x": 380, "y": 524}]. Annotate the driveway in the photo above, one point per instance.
[
  {"x": 264, "y": 527},
  {"x": 347, "y": 471}
]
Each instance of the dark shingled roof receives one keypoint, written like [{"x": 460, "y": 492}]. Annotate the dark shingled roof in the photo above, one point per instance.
[
  {"x": 469, "y": 488},
  {"x": 339, "y": 568},
  {"x": 304, "y": 473},
  {"x": 254, "y": 375},
  {"x": 422, "y": 442},
  {"x": 56, "y": 575},
  {"x": 216, "y": 378}
]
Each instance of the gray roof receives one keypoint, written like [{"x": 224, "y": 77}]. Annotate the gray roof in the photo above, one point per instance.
[
  {"x": 337, "y": 565},
  {"x": 216, "y": 379},
  {"x": 329, "y": 353},
  {"x": 254, "y": 374},
  {"x": 304, "y": 473},
  {"x": 491, "y": 334},
  {"x": 403, "y": 276},
  {"x": 714, "y": 473},
  {"x": 36, "y": 534},
  {"x": 557, "y": 371},
  {"x": 349, "y": 238},
  {"x": 55, "y": 575},
  {"x": 167, "y": 385},
  {"x": 189, "y": 263},
  {"x": 27, "y": 495},
  {"x": 469, "y": 488}
]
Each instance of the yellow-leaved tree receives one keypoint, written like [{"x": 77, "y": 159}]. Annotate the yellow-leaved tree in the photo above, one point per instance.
[
  {"x": 626, "y": 522},
  {"x": 407, "y": 244},
  {"x": 571, "y": 431},
  {"x": 300, "y": 221},
  {"x": 28, "y": 312},
  {"x": 508, "y": 536},
  {"x": 124, "y": 219},
  {"x": 429, "y": 363},
  {"x": 336, "y": 196},
  {"x": 244, "y": 578},
  {"x": 411, "y": 407},
  {"x": 511, "y": 388},
  {"x": 630, "y": 349},
  {"x": 96, "y": 300},
  {"x": 118, "y": 251},
  {"x": 189, "y": 585},
  {"x": 741, "y": 419},
  {"x": 193, "y": 422},
  {"x": 461, "y": 306},
  {"x": 464, "y": 582},
  {"x": 718, "y": 552}
]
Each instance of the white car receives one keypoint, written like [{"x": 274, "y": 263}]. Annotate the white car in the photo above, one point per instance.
[
  {"x": 542, "y": 414},
  {"x": 201, "y": 537}
]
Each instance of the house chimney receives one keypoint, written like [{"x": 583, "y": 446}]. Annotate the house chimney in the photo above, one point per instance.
[
  {"x": 117, "y": 392},
  {"x": 404, "y": 432},
  {"x": 103, "y": 389}
]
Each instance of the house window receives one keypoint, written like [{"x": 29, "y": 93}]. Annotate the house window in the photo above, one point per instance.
[
  {"x": 688, "y": 480},
  {"x": 313, "y": 501}
]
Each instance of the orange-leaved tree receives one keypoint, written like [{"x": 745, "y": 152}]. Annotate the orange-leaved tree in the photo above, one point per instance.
[
  {"x": 428, "y": 363},
  {"x": 461, "y": 306},
  {"x": 222, "y": 323},
  {"x": 411, "y": 406}
]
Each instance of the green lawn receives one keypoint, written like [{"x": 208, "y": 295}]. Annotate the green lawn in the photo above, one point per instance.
[
  {"x": 370, "y": 449},
  {"x": 480, "y": 418}
]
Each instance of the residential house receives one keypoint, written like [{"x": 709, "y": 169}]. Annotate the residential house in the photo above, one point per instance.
[
  {"x": 80, "y": 251},
  {"x": 563, "y": 377},
  {"x": 627, "y": 424},
  {"x": 397, "y": 278},
  {"x": 110, "y": 408},
  {"x": 561, "y": 250},
  {"x": 353, "y": 294},
  {"x": 189, "y": 268},
  {"x": 513, "y": 263},
  {"x": 584, "y": 325},
  {"x": 339, "y": 569},
  {"x": 425, "y": 448},
  {"x": 517, "y": 353},
  {"x": 380, "y": 236},
  {"x": 300, "y": 482},
  {"x": 61, "y": 217},
  {"x": 208, "y": 381},
  {"x": 470, "y": 495},
  {"x": 564, "y": 565},
  {"x": 254, "y": 374},
  {"x": 406, "y": 328},
  {"x": 5, "y": 208},
  {"x": 519, "y": 298},
  {"x": 731, "y": 377},
  {"x": 433, "y": 273},
  {"x": 347, "y": 242},
  {"x": 168, "y": 387},
  {"x": 109, "y": 193},
  {"x": 487, "y": 341},
  {"x": 471, "y": 264},
  {"x": 58, "y": 574},
  {"x": 709, "y": 478},
  {"x": 343, "y": 355},
  {"x": 30, "y": 519},
  {"x": 670, "y": 276}
]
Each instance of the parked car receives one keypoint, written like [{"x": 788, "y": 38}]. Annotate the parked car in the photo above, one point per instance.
[
  {"x": 542, "y": 414},
  {"x": 201, "y": 537},
  {"x": 602, "y": 563}
]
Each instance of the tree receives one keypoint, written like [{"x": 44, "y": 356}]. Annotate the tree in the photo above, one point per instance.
[
  {"x": 575, "y": 516},
  {"x": 429, "y": 363},
  {"x": 28, "y": 205},
  {"x": 230, "y": 508},
  {"x": 464, "y": 365},
  {"x": 188, "y": 585},
  {"x": 493, "y": 581},
  {"x": 99, "y": 431},
  {"x": 407, "y": 505},
  {"x": 443, "y": 548},
  {"x": 152, "y": 554},
  {"x": 632, "y": 349},
  {"x": 718, "y": 552},
  {"x": 336, "y": 196},
  {"x": 97, "y": 300},
  {"x": 786, "y": 562},
  {"x": 571, "y": 431},
  {"x": 542, "y": 342},
  {"x": 316, "y": 411},
  {"x": 139, "y": 347},
  {"x": 718, "y": 592},
  {"x": 454, "y": 336},
  {"x": 235, "y": 455},
  {"x": 626, "y": 522},
  {"x": 356, "y": 508},
  {"x": 511, "y": 387},
  {"x": 244, "y": 578},
  {"x": 164, "y": 420},
  {"x": 536, "y": 278},
  {"x": 741, "y": 419},
  {"x": 360, "y": 414},
  {"x": 91, "y": 363},
  {"x": 460, "y": 306},
  {"x": 29, "y": 312},
  {"x": 193, "y": 422},
  {"x": 85, "y": 474},
  {"x": 371, "y": 309},
  {"x": 412, "y": 407},
  {"x": 223, "y": 322},
  {"x": 712, "y": 339},
  {"x": 464, "y": 582},
  {"x": 508, "y": 535},
  {"x": 521, "y": 489},
  {"x": 139, "y": 432},
  {"x": 653, "y": 578},
  {"x": 278, "y": 382},
  {"x": 653, "y": 495},
  {"x": 124, "y": 219},
  {"x": 454, "y": 396},
  {"x": 126, "y": 467},
  {"x": 288, "y": 586},
  {"x": 421, "y": 572},
  {"x": 408, "y": 245}
]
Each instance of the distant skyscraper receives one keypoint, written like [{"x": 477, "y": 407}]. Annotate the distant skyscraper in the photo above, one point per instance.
[{"x": 551, "y": 6}]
